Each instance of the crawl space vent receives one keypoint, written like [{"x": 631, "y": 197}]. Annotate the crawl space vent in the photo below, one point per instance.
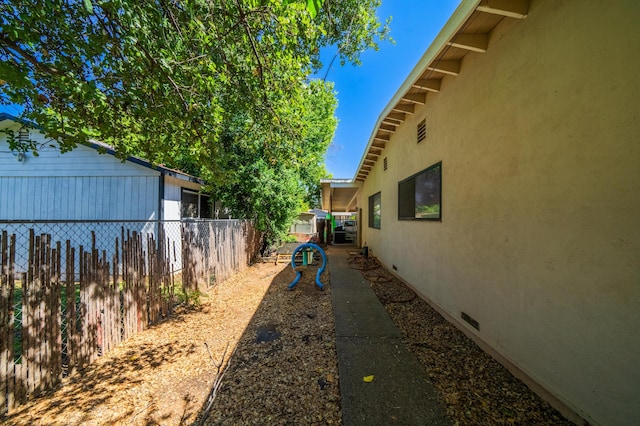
[{"x": 473, "y": 323}]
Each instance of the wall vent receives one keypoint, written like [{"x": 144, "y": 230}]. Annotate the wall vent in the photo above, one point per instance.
[
  {"x": 473, "y": 323},
  {"x": 23, "y": 135},
  {"x": 422, "y": 130},
  {"x": 395, "y": 268},
  {"x": 385, "y": 163}
]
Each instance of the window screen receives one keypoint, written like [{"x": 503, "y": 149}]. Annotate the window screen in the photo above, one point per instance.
[
  {"x": 420, "y": 196},
  {"x": 375, "y": 210}
]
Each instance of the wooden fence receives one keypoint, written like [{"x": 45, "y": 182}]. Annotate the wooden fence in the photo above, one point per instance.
[
  {"x": 72, "y": 305},
  {"x": 217, "y": 249}
]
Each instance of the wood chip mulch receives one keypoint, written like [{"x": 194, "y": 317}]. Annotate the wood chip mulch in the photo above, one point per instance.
[
  {"x": 475, "y": 388},
  {"x": 267, "y": 355},
  {"x": 252, "y": 352}
]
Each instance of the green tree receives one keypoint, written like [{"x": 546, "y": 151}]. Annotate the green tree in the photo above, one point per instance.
[
  {"x": 177, "y": 81},
  {"x": 273, "y": 187},
  {"x": 151, "y": 76}
]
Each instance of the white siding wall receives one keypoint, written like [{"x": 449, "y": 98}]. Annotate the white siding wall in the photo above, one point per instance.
[
  {"x": 81, "y": 184},
  {"x": 81, "y": 161},
  {"x": 173, "y": 196},
  {"x": 74, "y": 198}
]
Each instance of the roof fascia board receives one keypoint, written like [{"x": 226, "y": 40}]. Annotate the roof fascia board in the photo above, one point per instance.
[
  {"x": 6, "y": 116},
  {"x": 339, "y": 183},
  {"x": 451, "y": 27},
  {"x": 144, "y": 163},
  {"x": 345, "y": 185}
]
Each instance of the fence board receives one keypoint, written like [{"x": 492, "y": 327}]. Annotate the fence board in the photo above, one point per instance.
[
  {"x": 105, "y": 301},
  {"x": 6, "y": 302},
  {"x": 45, "y": 301},
  {"x": 72, "y": 332},
  {"x": 10, "y": 366},
  {"x": 57, "y": 317}
]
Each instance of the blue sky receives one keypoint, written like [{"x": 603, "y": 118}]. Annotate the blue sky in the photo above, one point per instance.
[{"x": 364, "y": 91}]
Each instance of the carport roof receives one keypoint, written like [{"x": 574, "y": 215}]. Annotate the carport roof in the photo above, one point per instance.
[{"x": 339, "y": 195}]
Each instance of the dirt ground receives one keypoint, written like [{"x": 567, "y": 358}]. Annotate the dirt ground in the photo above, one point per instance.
[{"x": 253, "y": 352}]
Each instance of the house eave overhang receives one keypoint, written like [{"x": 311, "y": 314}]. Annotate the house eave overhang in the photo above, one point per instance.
[
  {"x": 434, "y": 65},
  {"x": 339, "y": 195}
]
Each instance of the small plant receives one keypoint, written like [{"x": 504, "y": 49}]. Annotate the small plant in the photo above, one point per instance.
[
  {"x": 190, "y": 297},
  {"x": 289, "y": 239}
]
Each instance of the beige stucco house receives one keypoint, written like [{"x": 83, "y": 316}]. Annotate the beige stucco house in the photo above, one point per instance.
[{"x": 502, "y": 182}]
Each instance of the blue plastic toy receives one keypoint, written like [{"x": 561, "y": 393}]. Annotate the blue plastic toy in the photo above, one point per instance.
[{"x": 320, "y": 270}]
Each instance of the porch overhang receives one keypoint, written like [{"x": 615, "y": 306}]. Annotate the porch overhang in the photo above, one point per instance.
[{"x": 339, "y": 195}]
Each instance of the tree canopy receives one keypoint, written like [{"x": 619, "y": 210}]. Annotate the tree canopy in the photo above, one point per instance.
[
  {"x": 272, "y": 187},
  {"x": 218, "y": 87}
]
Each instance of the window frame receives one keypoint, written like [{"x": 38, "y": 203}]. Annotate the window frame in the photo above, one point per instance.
[
  {"x": 372, "y": 202},
  {"x": 202, "y": 204},
  {"x": 407, "y": 195}
]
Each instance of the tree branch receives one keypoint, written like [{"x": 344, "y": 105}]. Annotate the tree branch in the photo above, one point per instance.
[
  {"x": 6, "y": 40},
  {"x": 172, "y": 18},
  {"x": 154, "y": 63},
  {"x": 245, "y": 24}
]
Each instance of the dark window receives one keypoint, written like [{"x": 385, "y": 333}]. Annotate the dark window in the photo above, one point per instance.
[
  {"x": 205, "y": 207},
  {"x": 195, "y": 205},
  {"x": 374, "y": 211},
  {"x": 190, "y": 203},
  {"x": 422, "y": 130},
  {"x": 419, "y": 196}
]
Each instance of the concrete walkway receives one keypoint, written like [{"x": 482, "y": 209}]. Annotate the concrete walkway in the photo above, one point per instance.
[{"x": 368, "y": 343}]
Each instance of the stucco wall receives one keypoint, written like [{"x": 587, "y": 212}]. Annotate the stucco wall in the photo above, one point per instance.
[{"x": 540, "y": 234}]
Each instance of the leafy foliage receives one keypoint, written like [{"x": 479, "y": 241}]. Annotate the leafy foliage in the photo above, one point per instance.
[
  {"x": 272, "y": 187},
  {"x": 182, "y": 82}
]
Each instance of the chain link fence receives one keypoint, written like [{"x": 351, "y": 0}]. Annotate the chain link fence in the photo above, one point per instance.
[{"x": 72, "y": 290}]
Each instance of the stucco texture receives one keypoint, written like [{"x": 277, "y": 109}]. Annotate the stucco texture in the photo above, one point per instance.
[{"x": 540, "y": 238}]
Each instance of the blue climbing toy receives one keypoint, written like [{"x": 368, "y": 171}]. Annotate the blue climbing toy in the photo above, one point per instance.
[{"x": 320, "y": 270}]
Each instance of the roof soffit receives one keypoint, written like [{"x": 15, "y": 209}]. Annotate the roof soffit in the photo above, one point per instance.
[{"x": 466, "y": 31}]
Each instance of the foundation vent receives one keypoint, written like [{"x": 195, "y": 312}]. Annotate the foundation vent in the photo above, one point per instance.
[{"x": 473, "y": 323}]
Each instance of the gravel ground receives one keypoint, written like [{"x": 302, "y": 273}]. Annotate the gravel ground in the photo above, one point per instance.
[{"x": 284, "y": 370}]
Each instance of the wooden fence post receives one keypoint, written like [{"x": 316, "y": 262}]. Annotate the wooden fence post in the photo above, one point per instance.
[{"x": 7, "y": 287}]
